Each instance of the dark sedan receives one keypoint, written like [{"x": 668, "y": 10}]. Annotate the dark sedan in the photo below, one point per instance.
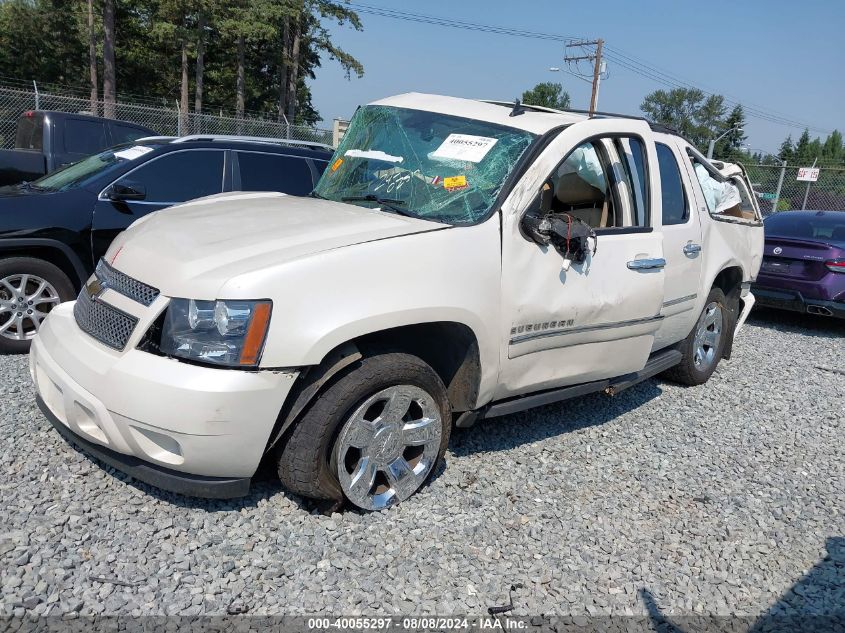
[
  {"x": 804, "y": 263},
  {"x": 54, "y": 230}
]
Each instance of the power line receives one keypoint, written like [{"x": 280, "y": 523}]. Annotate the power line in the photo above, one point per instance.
[
  {"x": 660, "y": 75},
  {"x": 613, "y": 54}
]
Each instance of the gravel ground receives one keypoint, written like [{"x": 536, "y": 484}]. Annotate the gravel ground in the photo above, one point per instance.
[{"x": 721, "y": 499}]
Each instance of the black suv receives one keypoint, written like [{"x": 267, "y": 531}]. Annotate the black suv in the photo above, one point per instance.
[{"x": 54, "y": 230}]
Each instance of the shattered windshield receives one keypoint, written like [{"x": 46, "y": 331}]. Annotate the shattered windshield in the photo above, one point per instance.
[{"x": 423, "y": 164}]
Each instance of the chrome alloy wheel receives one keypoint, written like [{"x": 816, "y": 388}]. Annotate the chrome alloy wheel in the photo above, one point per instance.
[
  {"x": 708, "y": 332},
  {"x": 388, "y": 446},
  {"x": 24, "y": 302}
]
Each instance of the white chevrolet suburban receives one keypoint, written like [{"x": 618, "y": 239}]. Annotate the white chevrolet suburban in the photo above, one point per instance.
[{"x": 458, "y": 260}]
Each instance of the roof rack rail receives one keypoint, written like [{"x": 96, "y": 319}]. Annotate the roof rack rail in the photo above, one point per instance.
[
  {"x": 250, "y": 139},
  {"x": 153, "y": 138},
  {"x": 597, "y": 113},
  {"x": 525, "y": 106},
  {"x": 657, "y": 127},
  {"x": 615, "y": 115}
]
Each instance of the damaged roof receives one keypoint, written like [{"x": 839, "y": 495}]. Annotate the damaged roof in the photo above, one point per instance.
[{"x": 530, "y": 120}]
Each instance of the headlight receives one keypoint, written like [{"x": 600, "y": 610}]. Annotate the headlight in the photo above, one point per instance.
[{"x": 227, "y": 333}]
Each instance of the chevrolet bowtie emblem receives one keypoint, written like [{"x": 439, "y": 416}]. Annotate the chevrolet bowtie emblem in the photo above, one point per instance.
[{"x": 95, "y": 288}]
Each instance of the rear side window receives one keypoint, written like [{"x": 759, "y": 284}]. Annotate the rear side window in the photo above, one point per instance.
[
  {"x": 30, "y": 132},
  {"x": 675, "y": 209},
  {"x": 126, "y": 134},
  {"x": 321, "y": 166},
  {"x": 179, "y": 176},
  {"x": 273, "y": 172},
  {"x": 84, "y": 137}
]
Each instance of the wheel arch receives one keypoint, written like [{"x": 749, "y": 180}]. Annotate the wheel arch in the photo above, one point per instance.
[
  {"x": 729, "y": 280},
  {"x": 451, "y": 348},
  {"x": 57, "y": 253}
]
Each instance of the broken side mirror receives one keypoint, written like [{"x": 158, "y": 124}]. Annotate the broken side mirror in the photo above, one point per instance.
[{"x": 573, "y": 238}]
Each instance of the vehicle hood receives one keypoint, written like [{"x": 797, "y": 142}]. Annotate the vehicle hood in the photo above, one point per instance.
[{"x": 194, "y": 248}]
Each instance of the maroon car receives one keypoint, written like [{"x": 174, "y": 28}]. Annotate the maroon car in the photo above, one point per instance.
[{"x": 804, "y": 263}]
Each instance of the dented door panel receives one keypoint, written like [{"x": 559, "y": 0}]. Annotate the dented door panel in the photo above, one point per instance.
[{"x": 594, "y": 320}]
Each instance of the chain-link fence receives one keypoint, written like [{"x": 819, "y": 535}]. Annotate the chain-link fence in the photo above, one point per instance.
[
  {"x": 778, "y": 189},
  {"x": 16, "y": 98}
]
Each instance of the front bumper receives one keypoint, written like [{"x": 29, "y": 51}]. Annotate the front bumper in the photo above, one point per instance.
[
  {"x": 795, "y": 301},
  {"x": 194, "y": 430}
]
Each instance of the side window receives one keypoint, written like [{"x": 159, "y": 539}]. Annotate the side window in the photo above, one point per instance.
[
  {"x": 675, "y": 207},
  {"x": 745, "y": 203},
  {"x": 30, "y": 132},
  {"x": 84, "y": 137},
  {"x": 580, "y": 187},
  {"x": 602, "y": 182},
  {"x": 723, "y": 197},
  {"x": 126, "y": 134},
  {"x": 321, "y": 166},
  {"x": 179, "y": 176},
  {"x": 272, "y": 172}
]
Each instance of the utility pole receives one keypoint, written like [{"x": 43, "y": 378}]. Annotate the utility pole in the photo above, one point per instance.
[{"x": 594, "y": 57}]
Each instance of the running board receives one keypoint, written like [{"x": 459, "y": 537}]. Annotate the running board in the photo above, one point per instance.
[
  {"x": 659, "y": 362},
  {"x": 656, "y": 364},
  {"x": 521, "y": 403}
]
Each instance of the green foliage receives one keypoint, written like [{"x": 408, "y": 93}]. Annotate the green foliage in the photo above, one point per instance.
[
  {"x": 47, "y": 40},
  {"x": 787, "y": 150},
  {"x": 547, "y": 95},
  {"x": 730, "y": 147},
  {"x": 43, "y": 38},
  {"x": 689, "y": 111},
  {"x": 827, "y": 153}
]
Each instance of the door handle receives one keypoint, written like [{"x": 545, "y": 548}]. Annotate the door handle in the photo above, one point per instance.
[
  {"x": 646, "y": 264},
  {"x": 691, "y": 248}
]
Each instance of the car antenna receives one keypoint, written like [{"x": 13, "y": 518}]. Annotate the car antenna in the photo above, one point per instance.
[{"x": 517, "y": 108}]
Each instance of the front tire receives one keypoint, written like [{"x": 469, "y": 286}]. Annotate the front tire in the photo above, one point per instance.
[
  {"x": 29, "y": 289},
  {"x": 704, "y": 346},
  {"x": 373, "y": 437}
]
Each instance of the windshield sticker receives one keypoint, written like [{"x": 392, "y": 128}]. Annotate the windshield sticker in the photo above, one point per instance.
[
  {"x": 374, "y": 154},
  {"x": 131, "y": 153},
  {"x": 454, "y": 183},
  {"x": 436, "y": 181},
  {"x": 464, "y": 147},
  {"x": 336, "y": 165}
]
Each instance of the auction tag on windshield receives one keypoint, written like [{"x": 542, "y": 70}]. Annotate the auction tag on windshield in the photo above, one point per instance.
[
  {"x": 131, "y": 153},
  {"x": 466, "y": 147},
  {"x": 454, "y": 183},
  {"x": 336, "y": 165}
]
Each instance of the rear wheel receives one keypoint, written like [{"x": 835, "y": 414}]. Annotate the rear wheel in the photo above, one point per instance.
[
  {"x": 29, "y": 289},
  {"x": 705, "y": 344},
  {"x": 373, "y": 437}
]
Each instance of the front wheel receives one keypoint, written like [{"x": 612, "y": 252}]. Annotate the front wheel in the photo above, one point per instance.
[
  {"x": 373, "y": 437},
  {"x": 29, "y": 289},
  {"x": 705, "y": 344}
]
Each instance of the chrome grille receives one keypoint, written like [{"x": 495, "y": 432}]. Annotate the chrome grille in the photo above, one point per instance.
[
  {"x": 125, "y": 285},
  {"x": 105, "y": 323}
]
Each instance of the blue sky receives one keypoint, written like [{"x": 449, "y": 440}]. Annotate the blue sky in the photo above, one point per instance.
[{"x": 786, "y": 57}]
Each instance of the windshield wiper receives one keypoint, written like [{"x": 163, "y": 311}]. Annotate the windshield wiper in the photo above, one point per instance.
[
  {"x": 388, "y": 203},
  {"x": 31, "y": 187}
]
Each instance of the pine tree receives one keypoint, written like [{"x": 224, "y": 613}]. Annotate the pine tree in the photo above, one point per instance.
[
  {"x": 787, "y": 150},
  {"x": 730, "y": 147}
]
